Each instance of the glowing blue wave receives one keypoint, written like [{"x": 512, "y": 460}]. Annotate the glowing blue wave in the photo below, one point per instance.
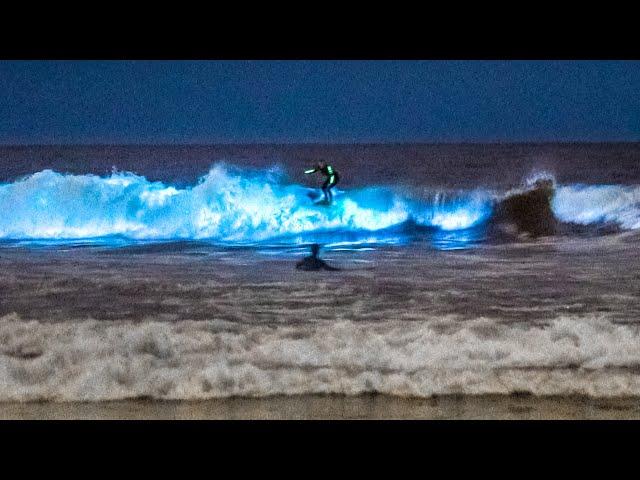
[
  {"x": 235, "y": 206},
  {"x": 226, "y": 205}
]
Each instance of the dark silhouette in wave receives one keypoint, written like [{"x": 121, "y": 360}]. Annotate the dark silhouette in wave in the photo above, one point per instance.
[{"x": 526, "y": 211}]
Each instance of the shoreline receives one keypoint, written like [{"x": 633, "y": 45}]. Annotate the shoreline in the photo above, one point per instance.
[{"x": 335, "y": 407}]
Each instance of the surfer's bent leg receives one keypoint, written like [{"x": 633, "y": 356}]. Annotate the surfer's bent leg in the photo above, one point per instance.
[
  {"x": 333, "y": 180},
  {"x": 326, "y": 189}
]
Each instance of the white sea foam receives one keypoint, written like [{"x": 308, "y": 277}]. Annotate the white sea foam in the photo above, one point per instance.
[
  {"x": 237, "y": 205},
  {"x": 100, "y": 360},
  {"x": 587, "y": 204},
  {"x": 228, "y": 204}
]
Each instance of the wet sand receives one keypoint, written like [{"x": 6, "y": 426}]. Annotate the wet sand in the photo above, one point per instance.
[{"x": 330, "y": 407}]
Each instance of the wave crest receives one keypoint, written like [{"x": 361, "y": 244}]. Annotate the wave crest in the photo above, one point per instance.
[
  {"x": 233, "y": 205},
  {"x": 227, "y": 204}
]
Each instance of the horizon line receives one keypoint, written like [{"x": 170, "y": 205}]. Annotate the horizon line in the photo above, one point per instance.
[{"x": 316, "y": 143}]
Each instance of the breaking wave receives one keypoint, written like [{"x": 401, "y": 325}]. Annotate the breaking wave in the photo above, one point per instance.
[
  {"x": 107, "y": 360},
  {"x": 227, "y": 204},
  {"x": 591, "y": 204},
  {"x": 232, "y": 205}
]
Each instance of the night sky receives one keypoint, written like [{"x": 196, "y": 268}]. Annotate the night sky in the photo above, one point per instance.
[{"x": 329, "y": 102}]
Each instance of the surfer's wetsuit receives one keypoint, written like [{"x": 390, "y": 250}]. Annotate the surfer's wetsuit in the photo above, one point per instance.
[{"x": 331, "y": 181}]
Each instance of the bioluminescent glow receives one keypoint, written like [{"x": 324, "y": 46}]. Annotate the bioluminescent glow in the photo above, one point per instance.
[
  {"x": 232, "y": 206},
  {"x": 228, "y": 205}
]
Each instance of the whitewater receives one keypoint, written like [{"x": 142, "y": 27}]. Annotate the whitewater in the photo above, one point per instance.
[
  {"x": 234, "y": 205},
  {"x": 227, "y": 204}
]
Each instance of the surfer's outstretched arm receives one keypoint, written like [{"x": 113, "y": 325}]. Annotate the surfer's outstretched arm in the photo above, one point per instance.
[{"x": 310, "y": 170}]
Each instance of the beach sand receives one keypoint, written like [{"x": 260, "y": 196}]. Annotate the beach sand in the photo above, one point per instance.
[{"x": 331, "y": 407}]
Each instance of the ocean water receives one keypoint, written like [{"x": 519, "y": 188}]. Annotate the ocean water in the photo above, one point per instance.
[{"x": 169, "y": 272}]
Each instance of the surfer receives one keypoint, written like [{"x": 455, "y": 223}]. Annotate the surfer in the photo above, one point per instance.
[
  {"x": 313, "y": 262},
  {"x": 331, "y": 181}
]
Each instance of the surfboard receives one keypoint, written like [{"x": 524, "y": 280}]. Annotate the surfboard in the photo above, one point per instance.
[{"x": 318, "y": 199}]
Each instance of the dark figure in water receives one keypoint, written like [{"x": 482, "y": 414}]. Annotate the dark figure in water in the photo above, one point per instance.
[
  {"x": 529, "y": 210},
  {"x": 332, "y": 179},
  {"x": 313, "y": 262}
]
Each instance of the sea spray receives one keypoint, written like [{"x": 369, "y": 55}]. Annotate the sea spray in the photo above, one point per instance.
[{"x": 227, "y": 204}]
